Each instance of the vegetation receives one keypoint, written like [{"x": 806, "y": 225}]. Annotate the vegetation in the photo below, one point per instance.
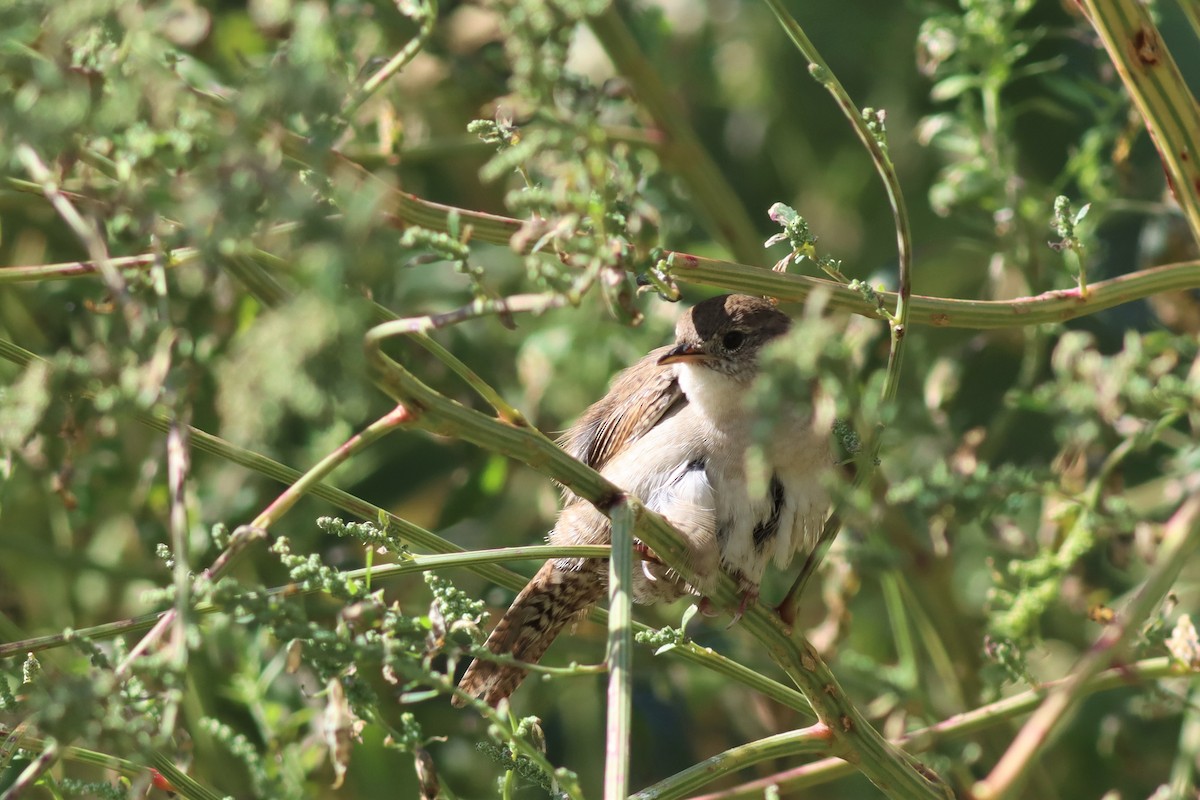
[{"x": 296, "y": 294}]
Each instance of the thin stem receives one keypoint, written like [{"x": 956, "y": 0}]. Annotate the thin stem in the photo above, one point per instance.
[
  {"x": 418, "y": 328},
  {"x": 620, "y": 653},
  {"x": 941, "y": 312},
  {"x": 33, "y": 772},
  {"x": 869, "y": 127},
  {"x": 85, "y": 230},
  {"x": 1191, "y": 10},
  {"x": 504, "y": 410},
  {"x": 710, "y": 659},
  {"x": 1183, "y": 769},
  {"x": 428, "y": 17},
  {"x": 398, "y": 417},
  {"x": 814, "y": 739},
  {"x": 178, "y": 466},
  {"x": 131, "y": 769},
  {"x": 76, "y": 269},
  {"x": 482, "y": 306}
]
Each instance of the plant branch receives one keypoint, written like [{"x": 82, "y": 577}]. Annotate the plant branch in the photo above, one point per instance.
[
  {"x": 814, "y": 739},
  {"x": 710, "y": 659},
  {"x": 939, "y": 312},
  {"x": 257, "y": 529},
  {"x": 1158, "y": 89},
  {"x": 620, "y": 653},
  {"x": 427, "y": 14}
]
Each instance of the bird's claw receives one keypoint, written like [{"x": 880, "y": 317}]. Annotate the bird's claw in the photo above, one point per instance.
[
  {"x": 748, "y": 596},
  {"x": 643, "y": 550}
]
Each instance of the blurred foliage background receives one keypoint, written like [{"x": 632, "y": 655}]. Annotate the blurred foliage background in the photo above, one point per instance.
[{"x": 985, "y": 555}]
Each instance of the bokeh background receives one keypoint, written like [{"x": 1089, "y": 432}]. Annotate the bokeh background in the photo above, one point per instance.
[{"x": 167, "y": 122}]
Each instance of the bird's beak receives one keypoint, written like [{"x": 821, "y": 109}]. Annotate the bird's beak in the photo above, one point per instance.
[{"x": 683, "y": 354}]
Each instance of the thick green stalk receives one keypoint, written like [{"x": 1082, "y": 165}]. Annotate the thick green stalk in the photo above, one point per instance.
[
  {"x": 1158, "y": 90},
  {"x": 942, "y": 312}
]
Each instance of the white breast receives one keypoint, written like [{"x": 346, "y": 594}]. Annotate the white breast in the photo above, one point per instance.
[{"x": 796, "y": 457}]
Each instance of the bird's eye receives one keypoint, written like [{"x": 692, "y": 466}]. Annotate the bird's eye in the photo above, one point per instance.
[{"x": 733, "y": 340}]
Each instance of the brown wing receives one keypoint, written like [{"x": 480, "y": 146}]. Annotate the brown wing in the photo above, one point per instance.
[{"x": 639, "y": 398}]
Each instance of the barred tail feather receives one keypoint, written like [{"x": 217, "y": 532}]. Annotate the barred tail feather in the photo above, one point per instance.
[{"x": 551, "y": 599}]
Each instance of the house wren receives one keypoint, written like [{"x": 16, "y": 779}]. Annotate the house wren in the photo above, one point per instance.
[{"x": 674, "y": 430}]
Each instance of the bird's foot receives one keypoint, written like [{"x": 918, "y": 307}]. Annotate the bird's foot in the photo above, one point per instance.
[
  {"x": 749, "y": 595},
  {"x": 649, "y": 560},
  {"x": 642, "y": 550},
  {"x": 708, "y": 608}
]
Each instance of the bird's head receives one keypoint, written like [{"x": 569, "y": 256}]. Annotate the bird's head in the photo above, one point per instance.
[{"x": 726, "y": 333}]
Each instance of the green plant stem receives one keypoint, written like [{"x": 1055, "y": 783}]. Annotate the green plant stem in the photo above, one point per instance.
[
  {"x": 183, "y": 784},
  {"x": 1183, "y": 769},
  {"x": 178, "y": 467},
  {"x": 396, "y": 418},
  {"x": 428, "y": 17},
  {"x": 85, "y": 230},
  {"x": 810, "y": 740},
  {"x": 270, "y": 292},
  {"x": 187, "y": 787},
  {"x": 51, "y": 752},
  {"x": 77, "y": 269},
  {"x": 620, "y": 654},
  {"x": 1181, "y": 539},
  {"x": 939, "y": 312},
  {"x": 710, "y": 659},
  {"x": 484, "y": 306},
  {"x": 1191, "y": 10},
  {"x": 419, "y": 328},
  {"x": 1158, "y": 89},
  {"x": 503, "y": 720},
  {"x": 887, "y": 174},
  {"x": 959, "y": 725},
  {"x": 502, "y": 407}
]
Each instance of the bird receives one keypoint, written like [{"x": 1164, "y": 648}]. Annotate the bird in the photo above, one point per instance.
[{"x": 674, "y": 430}]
